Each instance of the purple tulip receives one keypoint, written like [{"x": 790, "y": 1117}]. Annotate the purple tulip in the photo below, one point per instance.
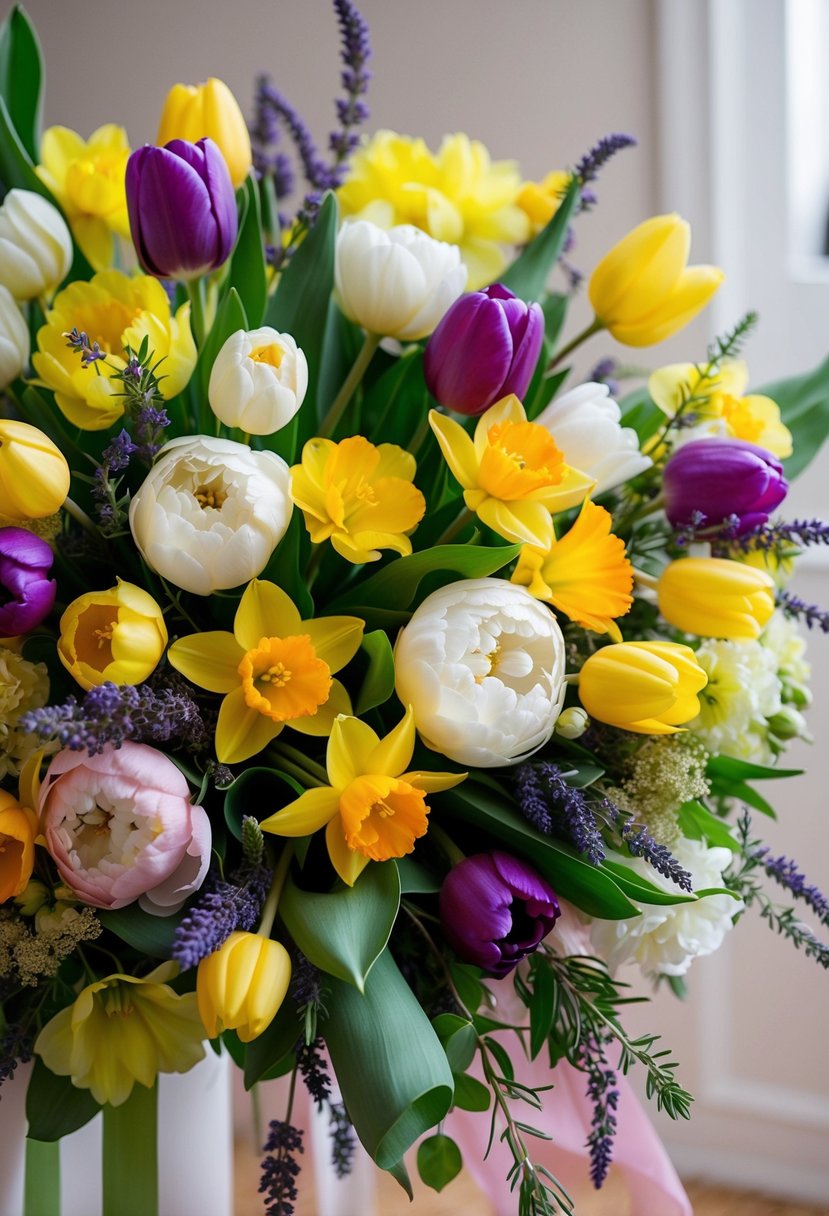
[
  {"x": 721, "y": 478},
  {"x": 485, "y": 347},
  {"x": 29, "y": 594},
  {"x": 182, "y": 208},
  {"x": 494, "y": 910}
]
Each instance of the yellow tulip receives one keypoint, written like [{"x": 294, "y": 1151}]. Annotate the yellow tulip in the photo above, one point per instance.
[
  {"x": 196, "y": 111},
  {"x": 242, "y": 984},
  {"x": 716, "y": 598},
  {"x": 117, "y": 635},
  {"x": 18, "y": 828},
  {"x": 647, "y": 687},
  {"x": 34, "y": 475},
  {"x": 643, "y": 290}
]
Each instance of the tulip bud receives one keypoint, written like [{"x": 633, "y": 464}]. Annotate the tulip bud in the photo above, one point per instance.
[
  {"x": 25, "y": 560},
  {"x": 114, "y": 636},
  {"x": 14, "y": 339},
  {"x": 572, "y": 723},
  {"x": 182, "y": 208},
  {"x": 35, "y": 245},
  {"x": 646, "y": 687},
  {"x": 722, "y": 478},
  {"x": 716, "y": 598},
  {"x": 485, "y": 347},
  {"x": 242, "y": 984},
  {"x": 209, "y": 110},
  {"x": 643, "y": 291},
  {"x": 18, "y": 826},
  {"x": 34, "y": 475},
  {"x": 258, "y": 381}
]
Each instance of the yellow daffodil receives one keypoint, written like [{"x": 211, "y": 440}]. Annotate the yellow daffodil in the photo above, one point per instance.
[
  {"x": 122, "y": 1030},
  {"x": 241, "y": 985},
  {"x": 458, "y": 195},
  {"x": 18, "y": 829},
  {"x": 723, "y": 409},
  {"x": 358, "y": 496},
  {"x": 117, "y": 635},
  {"x": 647, "y": 687},
  {"x": 585, "y": 575},
  {"x": 115, "y": 310},
  {"x": 87, "y": 179},
  {"x": 716, "y": 598},
  {"x": 374, "y": 809},
  {"x": 193, "y": 111},
  {"x": 541, "y": 200},
  {"x": 513, "y": 474},
  {"x": 275, "y": 670}
]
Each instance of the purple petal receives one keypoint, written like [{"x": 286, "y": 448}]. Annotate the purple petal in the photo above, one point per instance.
[
  {"x": 469, "y": 355},
  {"x": 528, "y": 339}
]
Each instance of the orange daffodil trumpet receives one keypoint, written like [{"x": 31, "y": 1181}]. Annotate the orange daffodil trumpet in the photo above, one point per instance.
[
  {"x": 512, "y": 472},
  {"x": 18, "y": 829},
  {"x": 374, "y": 808},
  {"x": 275, "y": 670}
]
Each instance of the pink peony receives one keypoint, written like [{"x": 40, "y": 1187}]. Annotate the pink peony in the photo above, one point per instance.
[{"x": 120, "y": 827}]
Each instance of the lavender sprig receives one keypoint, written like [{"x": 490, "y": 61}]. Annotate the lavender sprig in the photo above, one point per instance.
[
  {"x": 603, "y": 1093},
  {"x": 280, "y": 1168},
  {"x": 314, "y": 167},
  {"x": 78, "y": 341},
  {"x": 789, "y": 876},
  {"x": 343, "y": 1141},
  {"x": 548, "y": 802},
  {"x": 587, "y": 169},
  {"x": 352, "y": 111},
  {"x": 314, "y": 1071},
  {"x": 115, "y": 458},
  {"x": 811, "y": 614},
  {"x": 222, "y": 908}
]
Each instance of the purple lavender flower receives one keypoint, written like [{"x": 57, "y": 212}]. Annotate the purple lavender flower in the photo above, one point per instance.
[
  {"x": 27, "y": 592},
  {"x": 789, "y": 875},
  {"x": 495, "y": 909},
  {"x": 280, "y": 1168},
  {"x": 587, "y": 170},
  {"x": 723, "y": 478},
  {"x": 221, "y": 908},
  {"x": 549, "y": 803},
  {"x": 812, "y": 614}
]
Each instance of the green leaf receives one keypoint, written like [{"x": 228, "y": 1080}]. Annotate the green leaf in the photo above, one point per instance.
[
  {"x": 745, "y": 793},
  {"x": 697, "y": 823},
  {"x": 344, "y": 932},
  {"x": 732, "y": 769},
  {"x": 542, "y": 1006},
  {"x": 438, "y": 1161},
  {"x": 230, "y": 318},
  {"x": 392, "y": 1071},
  {"x": 260, "y": 792},
  {"x": 528, "y": 274},
  {"x": 285, "y": 565},
  {"x": 641, "y": 413},
  {"x": 247, "y": 266},
  {"x": 467, "y": 980},
  {"x": 397, "y": 401},
  {"x": 400, "y": 1174},
  {"x": 804, "y": 407},
  {"x": 378, "y": 682},
  {"x": 54, "y": 1106},
  {"x": 641, "y": 889},
  {"x": 16, "y": 167},
  {"x": 21, "y": 77},
  {"x": 471, "y": 1094},
  {"x": 459, "y": 1039},
  {"x": 272, "y": 1053},
  {"x": 415, "y": 879},
  {"x": 153, "y": 935}
]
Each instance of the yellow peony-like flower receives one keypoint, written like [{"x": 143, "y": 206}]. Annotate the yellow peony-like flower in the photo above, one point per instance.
[
  {"x": 513, "y": 474},
  {"x": 458, "y": 195},
  {"x": 358, "y": 496},
  {"x": 120, "y": 1030},
  {"x": 87, "y": 179},
  {"x": 116, "y": 635},
  {"x": 541, "y": 200},
  {"x": 586, "y": 574},
  {"x": 115, "y": 311}
]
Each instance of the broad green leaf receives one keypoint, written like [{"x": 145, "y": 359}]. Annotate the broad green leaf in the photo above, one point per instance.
[
  {"x": 286, "y": 565},
  {"x": 344, "y": 932},
  {"x": 130, "y": 1155},
  {"x": 247, "y": 266},
  {"x": 16, "y": 167},
  {"x": 259, "y": 792},
  {"x": 804, "y": 407},
  {"x": 230, "y": 317},
  {"x": 528, "y": 274},
  {"x": 732, "y": 769},
  {"x": 742, "y": 792},
  {"x": 438, "y": 1161},
  {"x": 697, "y": 823},
  {"x": 392, "y": 1071},
  {"x": 398, "y": 401},
  {"x": 641, "y": 889},
  {"x": 459, "y": 1039},
  {"x": 641, "y": 413},
  {"x": 41, "y": 1189},
  {"x": 467, "y": 981},
  {"x": 153, "y": 935},
  {"x": 54, "y": 1106},
  {"x": 378, "y": 681},
  {"x": 400, "y": 1174},
  {"x": 272, "y": 1053},
  {"x": 21, "y": 77},
  {"x": 471, "y": 1094},
  {"x": 415, "y": 879}
]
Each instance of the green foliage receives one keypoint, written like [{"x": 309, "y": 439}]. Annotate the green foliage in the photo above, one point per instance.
[
  {"x": 54, "y": 1106},
  {"x": 729, "y": 779},
  {"x": 697, "y": 823},
  {"x": 438, "y": 1161},
  {"x": 272, "y": 1053},
  {"x": 152, "y": 935},
  {"x": 230, "y": 317},
  {"x": 804, "y": 407},
  {"x": 258, "y": 792},
  {"x": 21, "y": 77},
  {"x": 528, "y": 274},
  {"x": 247, "y": 266},
  {"x": 378, "y": 681}
]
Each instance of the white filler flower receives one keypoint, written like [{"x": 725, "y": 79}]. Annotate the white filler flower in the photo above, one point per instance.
[
  {"x": 258, "y": 381},
  {"x": 585, "y": 425},
  {"x": 482, "y": 665},
  {"x": 35, "y": 245},
  {"x": 14, "y": 339},
  {"x": 211, "y": 512}
]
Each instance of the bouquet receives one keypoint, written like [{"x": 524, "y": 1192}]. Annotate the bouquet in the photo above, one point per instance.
[{"x": 370, "y": 692}]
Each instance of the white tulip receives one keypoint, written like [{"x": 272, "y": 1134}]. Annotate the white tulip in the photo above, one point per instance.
[
  {"x": 585, "y": 425},
  {"x": 397, "y": 282},
  {"x": 259, "y": 380},
  {"x": 482, "y": 665},
  {"x": 35, "y": 245},
  {"x": 14, "y": 339},
  {"x": 210, "y": 512}
]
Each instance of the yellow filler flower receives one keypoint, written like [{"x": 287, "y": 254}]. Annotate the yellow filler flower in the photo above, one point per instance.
[
  {"x": 87, "y": 178},
  {"x": 241, "y": 985},
  {"x": 18, "y": 829},
  {"x": 374, "y": 808},
  {"x": 275, "y": 669},
  {"x": 121, "y": 1030},
  {"x": 586, "y": 575},
  {"x": 117, "y": 635},
  {"x": 513, "y": 474},
  {"x": 647, "y": 687},
  {"x": 196, "y": 111},
  {"x": 643, "y": 290},
  {"x": 358, "y": 496},
  {"x": 713, "y": 597}
]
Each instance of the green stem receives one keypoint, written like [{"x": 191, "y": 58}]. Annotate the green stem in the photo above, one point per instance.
[
  {"x": 313, "y": 567},
  {"x": 466, "y": 516},
  {"x": 80, "y": 516},
  {"x": 647, "y": 508},
  {"x": 277, "y": 883},
  {"x": 198, "y": 317},
  {"x": 593, "y": 328},
  {"x": 329, "y": 422},
  {"x": 41, "y": 1196},
  {"x": 130, "y": 1155},
  {"x": 309, "y": 767},
  {"x": 420, "y": 434},
  {"x": 294, "y": 770},
  {"x": 445, "y": 843}
]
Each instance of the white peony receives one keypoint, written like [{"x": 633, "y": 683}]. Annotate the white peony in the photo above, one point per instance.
[
  {"x": 258, "y": 380},
  {"x": 666, "y": 939},
  {"x": 35, "y": 245},
  {"x": 585, "y": 425},
  {"x": 14, "y": 339},
  {"x": 482, "y": 665},
  {"x": 742, "y": 692},
  {"x": 396, "y": 283},
  {"x": 210, "y": 512}
]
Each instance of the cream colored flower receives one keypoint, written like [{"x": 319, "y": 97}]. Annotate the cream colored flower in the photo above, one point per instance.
[{"x": 23, "y": 686}]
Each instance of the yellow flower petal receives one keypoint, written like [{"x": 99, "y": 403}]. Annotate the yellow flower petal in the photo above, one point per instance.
[
  {"x": 210, "y": 660},
  {"x": 527, "y": 523},
  {"x": 242, "y": 732},
  {"x": 348, "y": 863},
  {"x": 350, "y": 745},
  {"x": 457, "y": 448},
  {"x": 265, "y": 611},
  {"x": 307, "y": 814},
  {"x": 322, "y": 722},
  {"x": 393, "y": 753},
  {"x": 336, "y": 639},
  {"x": 433, "y": 783},
  {"x": 508, "y": 409}
]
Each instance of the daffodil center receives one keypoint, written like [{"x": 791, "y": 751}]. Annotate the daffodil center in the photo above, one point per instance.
[
  {"x": 520, "y": 457},
  {"x": 116, "y": 1001},
  {"x": 741, "y": 418},
  {"x": 283, "y": 678},
  {"x": 271, "y": 354},
  {"x": 94, "y": 635},
  {"x": 382, "y": 816}
]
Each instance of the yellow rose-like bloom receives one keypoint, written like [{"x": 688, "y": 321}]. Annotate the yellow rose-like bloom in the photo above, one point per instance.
[
  {"x": 716, "y": 598},
  {"x": 242, "y": 984},
  {"x": 87, "y": 179},
  {"x": 374, "y": 808},
  {"x": 723, "y": 409},
  {"x": 121, "y": 1030},
  {"x": 647, "y": 687},
  {"x": 513, "y": 474},
  {"x": 643, "y": 290},
  {"x": 275, "y": 670},
  {"x": 117, "y": 635},
  {"x": 18, "y": 828},
  {"x": 541, "y": 200},
  {"x": 34, "y": 475},
  {"x": 115, "y": 311},
  {"x": 194, "y": 111},
  {"x": 358, "y": 496},
  {"x": 457, "y": 195},
  {"x": 586, "y": 575}
]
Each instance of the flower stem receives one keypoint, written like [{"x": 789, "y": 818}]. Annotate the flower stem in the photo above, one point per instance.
[
  {"x": 466, "y": 516},
  {"x": 277, "y": 883},
  {"x": 647, "y": 508},
  {"x": 80, "y": 516},
  {"x": 593, "y": 328},
  {"x": 329, "y": 422},
  {"x": 313, "y": 567},
  {"x": 196, "y": 292},
  {"x": 446, "y": 845},
  {"x": 420, "y": 434},
  {"x": 308, "y": 767}
]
